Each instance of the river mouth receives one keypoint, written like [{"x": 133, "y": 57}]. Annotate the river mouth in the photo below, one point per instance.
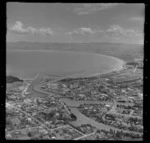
[
  {"x": 73, "y": 106},
  {"x": 27, "y": 63}
]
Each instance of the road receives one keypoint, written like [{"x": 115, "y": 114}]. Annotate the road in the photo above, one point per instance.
[
  {"x": 81, "y": 119},
  {"x": 28, "y": 115},
  {"x": 85, "y": 136}
]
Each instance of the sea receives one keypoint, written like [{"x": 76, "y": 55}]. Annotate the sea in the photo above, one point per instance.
[{"x": 27, "y": 63}]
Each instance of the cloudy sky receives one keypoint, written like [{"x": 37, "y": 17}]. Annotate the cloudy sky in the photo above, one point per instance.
[{"x": 101, "y": 22}]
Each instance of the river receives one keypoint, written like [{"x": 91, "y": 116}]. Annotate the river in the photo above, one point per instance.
[{"x": 36, "y": 91}]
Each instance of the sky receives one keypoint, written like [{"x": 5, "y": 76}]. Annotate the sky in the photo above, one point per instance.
[{"x": 75, "y": 23}]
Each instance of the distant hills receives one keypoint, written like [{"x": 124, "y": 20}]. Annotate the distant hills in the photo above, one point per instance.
[
  {"x": 12, "y": 79},
  {"x": 125, "y": 52}
]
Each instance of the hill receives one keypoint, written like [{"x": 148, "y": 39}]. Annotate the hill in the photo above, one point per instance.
[
  {"x": 126, "y": 52},
  {"x": 12, "y": 79}
]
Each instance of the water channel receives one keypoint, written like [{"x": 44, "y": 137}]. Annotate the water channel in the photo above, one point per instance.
[{"x": 35, "y": 90}]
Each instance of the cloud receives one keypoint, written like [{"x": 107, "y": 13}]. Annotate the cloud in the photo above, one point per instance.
[
  {"x": 18, "y": 28},
  {"x": 119, "y": 34},
  {"x": 114, "y": 33},
  {"x": 92, "y": 8},
  {"x": 114, "y": 30},
  {"x": 119, "y": 31},
  {"x": 84, "y": 31}
]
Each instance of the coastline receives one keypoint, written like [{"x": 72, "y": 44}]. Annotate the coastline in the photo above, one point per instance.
[
  {"x": 80, "y": 75},
  {"x": 121, "y": 66},
  {"x": 83, "y": 75}
]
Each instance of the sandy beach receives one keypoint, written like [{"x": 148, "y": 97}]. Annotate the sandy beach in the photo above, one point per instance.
[{"x": 84, "y": 74}]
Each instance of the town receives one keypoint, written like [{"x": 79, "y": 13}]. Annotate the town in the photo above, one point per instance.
[{"x": 112, "y": 105}]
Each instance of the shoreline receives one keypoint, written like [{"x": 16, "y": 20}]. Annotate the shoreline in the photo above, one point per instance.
[
  {"x": 80, "y": 75},
  {"x": 84, "y": 74}
]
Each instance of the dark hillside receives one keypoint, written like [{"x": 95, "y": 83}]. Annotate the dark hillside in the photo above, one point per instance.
[{"x": 12, "y": 79}]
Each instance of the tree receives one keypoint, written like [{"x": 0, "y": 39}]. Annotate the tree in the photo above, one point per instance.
[
  {"x": 29, "y": 134},
  {"x": 73, "y": 116},
  {"x": 98, "y": 131},
  {"x": 118, "y": 135},
  {"x": 97, "y": 137},
  {"x": 111, "y": 131}
]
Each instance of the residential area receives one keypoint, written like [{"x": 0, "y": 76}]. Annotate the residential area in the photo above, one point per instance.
[{"x": 110, "y": 104}]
